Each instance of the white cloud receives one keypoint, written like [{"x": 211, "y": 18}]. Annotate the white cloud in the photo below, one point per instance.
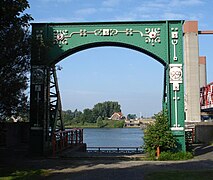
[
  {"x": 57, "y": 20},
  {"x": 175, "y": 3},
  {"x": 111, "y": 3},
  {"x": 86, "y": 11},
  {"x": 160, "y": 10},
  {"x": 170, "y": 15}
]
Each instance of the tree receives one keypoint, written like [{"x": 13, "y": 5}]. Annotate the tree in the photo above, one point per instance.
[
  {"x": 100, "y": 123},
  {"x": 131, "y": 116},
  {"x": 88, "y": 116},
  {"x": 158, "y": 136},
  {"x": 14, "y": 57},
  {"x": 106, "y": 109}
]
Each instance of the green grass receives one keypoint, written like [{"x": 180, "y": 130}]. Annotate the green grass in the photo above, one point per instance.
[
  {"x": 24, "y": 174},
  {"x": 86, "y": 125},
  {"x": 108, "y": 124},
  {"x": 114, "y": 123},
  {"x": 165, "y": 156},
  {"x": 177, "y": 175}
]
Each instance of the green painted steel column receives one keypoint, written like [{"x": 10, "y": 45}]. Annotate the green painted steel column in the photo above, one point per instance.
[{"x": 176, "y": 84}]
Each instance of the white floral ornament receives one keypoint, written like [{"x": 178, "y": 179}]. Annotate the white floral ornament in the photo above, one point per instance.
[
  {"x": 60, "y": 37},
  {"x": 175, "y": 74},
  {"x": 152, "y": 35}
]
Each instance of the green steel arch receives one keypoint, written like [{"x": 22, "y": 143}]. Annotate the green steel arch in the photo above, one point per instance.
[
  {"x": 108, "y": 43},
  {"x": 52, "y": 42}
]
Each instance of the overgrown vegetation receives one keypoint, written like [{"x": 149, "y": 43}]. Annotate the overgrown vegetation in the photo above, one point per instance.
[
  {"x": 159, "y": 135},
  {"x": 166, "y": 156}
]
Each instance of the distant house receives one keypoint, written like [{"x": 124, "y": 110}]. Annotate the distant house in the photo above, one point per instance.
[
  {"x": 132, "y": 123},
  {"x": 117, "y": 116}
]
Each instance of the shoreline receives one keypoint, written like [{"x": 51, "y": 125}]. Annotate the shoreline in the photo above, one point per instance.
[{"x": 95, "y": 127}]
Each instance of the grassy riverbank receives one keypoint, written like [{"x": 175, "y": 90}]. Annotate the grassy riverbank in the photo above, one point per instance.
[{"x": 103, "y": 124}]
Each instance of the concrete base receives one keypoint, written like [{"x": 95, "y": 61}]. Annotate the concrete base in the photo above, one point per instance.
[{"x": 204, "y": 133}]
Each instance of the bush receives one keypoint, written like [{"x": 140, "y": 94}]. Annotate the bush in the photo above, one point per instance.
[
  {"x": 100, "y": 123},
  {"x": 118, "y": 124},
  {"x": 165, "y": 156},
  {"x": 159, "y": 135}
]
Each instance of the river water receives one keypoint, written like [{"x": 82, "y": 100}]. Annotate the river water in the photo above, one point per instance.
[{"x": 113, "y": 137}]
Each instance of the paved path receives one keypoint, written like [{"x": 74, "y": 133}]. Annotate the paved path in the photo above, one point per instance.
[{"x": 110, "y": 169}]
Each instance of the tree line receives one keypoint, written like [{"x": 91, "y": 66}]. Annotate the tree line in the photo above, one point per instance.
[
  {"x": 99, "y": 112},
  {"x": 15, "y": 43}
]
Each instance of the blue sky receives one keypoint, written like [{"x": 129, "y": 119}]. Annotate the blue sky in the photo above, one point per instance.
[{"x": 113, "y": 73}]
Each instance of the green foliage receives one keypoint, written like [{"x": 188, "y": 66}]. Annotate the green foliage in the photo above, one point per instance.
[
  {"x": 105, "y": 109},
  {"x": 159, "y": 135},
  {"x": 165, "y": 156},
  {"x": 70, "y": 117},
  {"x": 102, "y": 110},
  {"x": 14, "y": 57},
  {"x": 131, "y": 116},
  {"x": 118, "y": 123},
  {"x": 100, "y": 123},
  {"x": 87, "y": 116}
]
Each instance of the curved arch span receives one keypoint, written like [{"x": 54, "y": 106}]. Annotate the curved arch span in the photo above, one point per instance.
[{"x": 112, "y": 44}]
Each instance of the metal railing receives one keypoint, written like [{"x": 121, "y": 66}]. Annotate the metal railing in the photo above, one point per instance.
[
  {"x": 64, "y": 139},
  {"x": 119, "y": 150}
]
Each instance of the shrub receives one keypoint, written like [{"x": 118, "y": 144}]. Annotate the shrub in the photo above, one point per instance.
[
  {"x": 159, "y": 135},
  {"x": 165, "y": 156}
]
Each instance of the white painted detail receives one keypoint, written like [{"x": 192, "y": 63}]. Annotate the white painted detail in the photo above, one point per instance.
[
  {"x": 152, "y": 35},
  {"x": 83, "y": 32},
  {"x": 174, "y": 35},
  {"x": 175, "y": 74},
  {"x": 106, "y": 32},
  {"x": 129, "y": 32},
  {"x": 177, "y": 128},
  {"x": 176, "y": 108},
  {"x": 174, "y": 42},
  {"x": 60, "y": 37}
]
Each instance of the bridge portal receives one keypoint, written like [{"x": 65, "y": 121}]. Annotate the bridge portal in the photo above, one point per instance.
[{"x": 52, "y": 42}]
